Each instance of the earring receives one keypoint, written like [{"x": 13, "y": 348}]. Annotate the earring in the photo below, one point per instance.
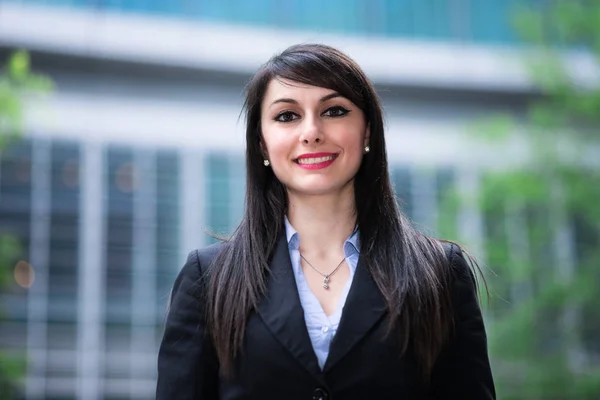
[
  {"x": 267, "y": 163},
  {"x": 367, "y": 149}
]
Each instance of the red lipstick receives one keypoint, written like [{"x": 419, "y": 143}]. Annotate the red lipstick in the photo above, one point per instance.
[{"x": 314, "y": 161}]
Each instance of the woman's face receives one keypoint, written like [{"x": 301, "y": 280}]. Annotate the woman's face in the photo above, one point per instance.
[{"x": 313, "y": 137}]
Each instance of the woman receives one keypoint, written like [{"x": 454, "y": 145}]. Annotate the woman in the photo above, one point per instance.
[{"x": 324, "y": 291}]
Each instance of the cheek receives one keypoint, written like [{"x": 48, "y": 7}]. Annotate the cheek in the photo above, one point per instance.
[
  {"x": 354, "y": 140},
  {"x": 277, "y": 144},
  {"x": 273, "y": 146}
]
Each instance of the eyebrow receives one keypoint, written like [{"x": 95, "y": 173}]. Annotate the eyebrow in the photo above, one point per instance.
[{"x": 292, "y": 101}]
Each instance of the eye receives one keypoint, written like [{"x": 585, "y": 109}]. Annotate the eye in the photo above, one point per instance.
[
  {"x": 286, "y": 116},
  {"x": 337, "y": 111}
]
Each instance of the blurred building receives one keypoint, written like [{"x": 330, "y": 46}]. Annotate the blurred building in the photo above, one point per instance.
[{"x": 139, "y": 151}]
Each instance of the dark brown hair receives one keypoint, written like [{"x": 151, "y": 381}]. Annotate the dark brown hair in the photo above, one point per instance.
[{"x": 411, "y": 269}]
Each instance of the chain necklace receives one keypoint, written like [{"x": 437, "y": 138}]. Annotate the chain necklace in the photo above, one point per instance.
[{"x": 326, "y": 276}]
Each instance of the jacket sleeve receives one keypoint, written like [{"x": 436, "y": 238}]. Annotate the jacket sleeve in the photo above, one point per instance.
[
  {"x": 187, "y": 363},
  {"x": 463, "y": 369}
]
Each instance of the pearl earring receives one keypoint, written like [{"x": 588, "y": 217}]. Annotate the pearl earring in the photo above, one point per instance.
[
  {"x": 267, "y": 163},
  {"x": 367, "y": 149}
]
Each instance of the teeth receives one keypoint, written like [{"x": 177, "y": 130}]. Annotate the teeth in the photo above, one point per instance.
[{"x": 314, "y": 160}]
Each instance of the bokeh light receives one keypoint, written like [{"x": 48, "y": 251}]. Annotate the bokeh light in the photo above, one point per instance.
[{"x": 24, "y": 274}]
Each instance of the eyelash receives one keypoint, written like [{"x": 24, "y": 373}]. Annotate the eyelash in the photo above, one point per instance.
[{"x": 342, "y": 112}]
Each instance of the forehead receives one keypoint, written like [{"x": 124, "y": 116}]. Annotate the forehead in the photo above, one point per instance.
[{"x": 284, "y": 88}]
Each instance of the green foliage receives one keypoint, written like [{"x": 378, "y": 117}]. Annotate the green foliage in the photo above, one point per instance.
[
  {"x": 536, "y": 212},
  {"x": 11, "y": 371},
  {"x": 12, "y": 367},
  {"x": 493, "y": 129},
  {"x": 16, "y": 83},
  {"x": 10, "y": 249}
]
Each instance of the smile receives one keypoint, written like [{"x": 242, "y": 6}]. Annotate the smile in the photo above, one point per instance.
[{"x": 316, "y": 161}]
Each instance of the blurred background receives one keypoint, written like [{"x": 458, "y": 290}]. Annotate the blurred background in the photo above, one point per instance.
[{"x": 121, "y": 145}]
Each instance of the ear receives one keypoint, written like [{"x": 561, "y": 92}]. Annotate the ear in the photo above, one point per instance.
[
  {"x": 263, "y": 149},
  {"x": 367, "y": 136}
]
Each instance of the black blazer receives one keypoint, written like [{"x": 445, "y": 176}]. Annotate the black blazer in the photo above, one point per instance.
[{"x": 278, "y": 360}]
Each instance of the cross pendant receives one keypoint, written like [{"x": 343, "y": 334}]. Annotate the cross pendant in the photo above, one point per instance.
[{"x": 326, "y": 282}]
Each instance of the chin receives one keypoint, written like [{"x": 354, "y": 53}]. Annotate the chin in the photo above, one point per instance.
[
  {"x": 317, "y": 188},
  {"x": 316, "y": 191}
]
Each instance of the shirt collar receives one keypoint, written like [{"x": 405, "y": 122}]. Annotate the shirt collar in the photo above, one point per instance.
[{"x": 350, "y": 245}]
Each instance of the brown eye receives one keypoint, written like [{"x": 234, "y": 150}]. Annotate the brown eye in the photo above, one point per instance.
[
  {"x": 286, "y": 116},
  {"x": 336, "y": 111}
]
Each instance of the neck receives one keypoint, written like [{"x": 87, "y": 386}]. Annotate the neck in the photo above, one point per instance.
[{"x": 323, "y": 222}]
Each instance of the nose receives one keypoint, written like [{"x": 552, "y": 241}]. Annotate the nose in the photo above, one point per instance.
[{"x": 311, "y": 131}]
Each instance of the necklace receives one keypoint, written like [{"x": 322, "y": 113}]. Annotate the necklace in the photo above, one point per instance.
[{"x": 326, "y": 276}]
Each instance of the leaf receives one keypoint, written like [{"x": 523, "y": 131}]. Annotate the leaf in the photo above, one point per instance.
[
  {"x": 18, "y": 66},
  {"x": 17, "y": 82},
  {"x": 494, "y": 129},
  {"x": 12, "y": 369},
  {"x": 10, "y": 247}
]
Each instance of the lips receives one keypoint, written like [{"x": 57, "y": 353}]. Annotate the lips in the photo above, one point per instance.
[{"x": 315, "y": 160}]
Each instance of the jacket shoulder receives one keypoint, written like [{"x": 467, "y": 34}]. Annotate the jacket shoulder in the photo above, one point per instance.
[
  {"x": 456, "y": 257},
  {"x": 204, "y": 256},
  {"x": 451, "y": 249}
]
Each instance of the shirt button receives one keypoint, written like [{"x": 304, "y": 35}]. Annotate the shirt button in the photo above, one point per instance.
[{"x": 325, "y": 329}]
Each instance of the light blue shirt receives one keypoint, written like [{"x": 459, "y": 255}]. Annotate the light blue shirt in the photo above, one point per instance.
[{"x": 321, "y": 328}]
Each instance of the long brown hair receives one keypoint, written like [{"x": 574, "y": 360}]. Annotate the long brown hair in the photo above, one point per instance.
[{"x": 411, "y": 269}]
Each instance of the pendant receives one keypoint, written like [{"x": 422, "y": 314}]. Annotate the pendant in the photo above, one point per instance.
[{"x": 326, "y": 282}]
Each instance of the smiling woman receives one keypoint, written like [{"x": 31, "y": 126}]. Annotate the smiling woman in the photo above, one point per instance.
[
  {"x": 325, "y": 290},
  {"x": 313, "y": 137}
]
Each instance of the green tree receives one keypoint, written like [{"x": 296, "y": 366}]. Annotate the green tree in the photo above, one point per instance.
[
  {"x": 542, "y": 216},
  {"x": 16, "y": 82}
]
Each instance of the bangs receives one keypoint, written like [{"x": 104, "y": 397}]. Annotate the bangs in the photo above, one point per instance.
[{"x": 326, "y": 70}]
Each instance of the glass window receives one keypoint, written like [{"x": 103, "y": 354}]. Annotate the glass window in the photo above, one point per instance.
[
  {"x": 64, "y": 233},
  {"x": 15, "y": 190},
  {"x": 15, "y": 218},
  {"x": 401, "y": 181},
  {"x": 167, "y": 227},
  {"x": 219, "y": 196},
  {"x": 457, "y": 20},
  {"x": 238, "y": 189},
  {"x": 120, "y": 184}
]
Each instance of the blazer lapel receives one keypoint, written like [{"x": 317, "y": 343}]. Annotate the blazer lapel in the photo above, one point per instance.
[
  {"x": 282, "y": 311},
  {"x": 364, "y": 307}
]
